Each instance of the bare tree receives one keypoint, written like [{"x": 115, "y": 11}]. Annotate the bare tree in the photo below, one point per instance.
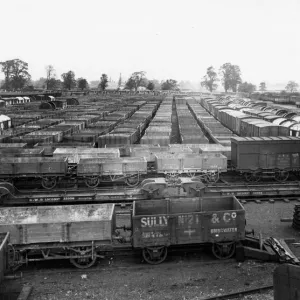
[
  {"x": 292, "y": 86},
  {"x": 50, "y": 73}
]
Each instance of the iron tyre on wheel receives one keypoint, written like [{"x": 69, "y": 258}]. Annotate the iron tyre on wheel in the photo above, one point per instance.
[
  {"x": 155, "y": 255},
  {"x": 132, "y": 180},
  {"x": 92, "y": 181},
  {"x": 49, "y": 182},
  {"x": 223, "y": 250},
  {"x": 85, "y": 259},
  {"x": 281, "y": 175}
]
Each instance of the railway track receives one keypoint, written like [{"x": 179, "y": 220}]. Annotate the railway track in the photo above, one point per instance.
[
  {"x": 245, "y": 192},
  {"x": 269, "y": 199},
  {"x": 64, "y": 268},
  {"x": 240, "y": 293}
]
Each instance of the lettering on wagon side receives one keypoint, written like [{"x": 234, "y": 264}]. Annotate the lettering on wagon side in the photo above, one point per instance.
[
  {"x": 223, "y": 230},
  {"x": 157, "y": 221},
  {"x": 226, "y": 217}
]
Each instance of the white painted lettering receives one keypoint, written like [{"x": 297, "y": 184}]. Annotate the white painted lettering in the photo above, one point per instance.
[
  {"x": 226, "y": 217},
  {"x": 215, "y": 219},
  {"x": 223, "y": 230},
  {"x": 144, "y": 222},
  {"x": 157, "y": 221}
]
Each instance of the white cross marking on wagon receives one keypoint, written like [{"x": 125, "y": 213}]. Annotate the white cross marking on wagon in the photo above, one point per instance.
[{"x": 190, "y": 231}]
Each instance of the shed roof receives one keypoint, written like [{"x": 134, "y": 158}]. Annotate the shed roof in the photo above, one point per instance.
[{"x": 4, "y": 118}]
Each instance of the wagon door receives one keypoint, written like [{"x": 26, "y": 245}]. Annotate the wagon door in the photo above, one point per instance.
[
  {"x": 267, "y": 160},
  {"x": 188, "y": 229}
]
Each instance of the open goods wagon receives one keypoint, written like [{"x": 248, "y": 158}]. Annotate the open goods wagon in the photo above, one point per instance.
[
  {"x": 44, "y": 168},
  {"x": 129, "y": 169},
  {"x": 83, "y": 233},
  {"x": 72, "y": 232},
  {"x": 160, "y": 224},
  {"x": 75, "y": 154},
  {"x": 274, "y": 157},
  {"x": 207, "y": 166},
  {"x": 20, "y": 152}
]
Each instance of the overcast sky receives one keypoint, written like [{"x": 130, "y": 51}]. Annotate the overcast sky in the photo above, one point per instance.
[{"x": 167, "y": 39}]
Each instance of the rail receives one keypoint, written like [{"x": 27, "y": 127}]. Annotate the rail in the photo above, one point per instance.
[{"x": 240, "y": 293}]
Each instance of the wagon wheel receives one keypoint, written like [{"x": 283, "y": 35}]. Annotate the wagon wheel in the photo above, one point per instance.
[
  {"x": 92, "y": 181},
  {"x": 133, "y": 180},
  {"x": 13, "y": 258},
  {"x": 155, "y": 255},
  {"x": 223, "y": 250},
  {"x": 49, "y": 182},
  {"x": 281, "y": 175},
  {"x": 212, "y": 177},
  {"x": 252, "y": 176},
  {"x": 83, "y": 262}
]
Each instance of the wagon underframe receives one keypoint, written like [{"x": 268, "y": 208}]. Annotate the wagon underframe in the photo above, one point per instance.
[{"x": 280, "y": 175}]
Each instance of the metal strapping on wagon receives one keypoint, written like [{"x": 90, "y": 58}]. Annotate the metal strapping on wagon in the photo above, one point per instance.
[{"x": 4, "y": 239}]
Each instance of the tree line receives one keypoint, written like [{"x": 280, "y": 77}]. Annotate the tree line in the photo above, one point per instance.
[
  {"x": 139, "y": 79},
  {"x": 231, "y": 78},
  {"x": 17, "y": 77}
]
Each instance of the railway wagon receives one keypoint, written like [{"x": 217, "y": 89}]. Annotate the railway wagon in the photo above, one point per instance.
[
  {"x": 207, "y": 166},
  {"x": 45, "y": 168},
  {"x": 83, "y": 233},
  {"x": 21, "y": 152},
  {"x": 160, "y": 224},
  {"x": 75, "y": 154},
  {"x": 73, "y": 232},
  {"x": 129, "y": 169},
  {"x": 264, "y": 157}
]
